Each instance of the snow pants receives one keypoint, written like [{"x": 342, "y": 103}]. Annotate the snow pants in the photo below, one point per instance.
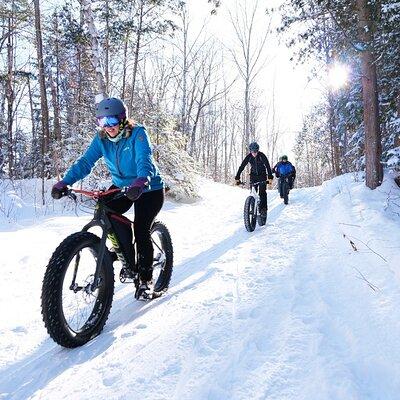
[{"x": 147, "y": 206}]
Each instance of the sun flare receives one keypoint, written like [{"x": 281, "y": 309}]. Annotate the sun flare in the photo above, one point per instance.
[{"x": 338, "y": 75}]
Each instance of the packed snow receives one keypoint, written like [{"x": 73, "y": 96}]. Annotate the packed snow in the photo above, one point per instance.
[{"x": 306, "y": 307}]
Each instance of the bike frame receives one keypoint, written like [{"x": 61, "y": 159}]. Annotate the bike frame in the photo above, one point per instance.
[
  {"x": 101, "y": 218},
  {"x": 254, "y": 192}
]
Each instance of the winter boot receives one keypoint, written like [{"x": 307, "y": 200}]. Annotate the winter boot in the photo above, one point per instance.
[{"x": 144, "y": 290}]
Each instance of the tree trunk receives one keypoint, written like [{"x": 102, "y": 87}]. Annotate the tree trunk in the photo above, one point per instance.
[
  {"x": 10, "y": 97},
  {"x": 95, "y": 49},
  {"x": 373, "y": 145},
  {"x": 184, "y": 75},
  {"x": 125, "y": 62},
  {"x": 43, "y": 95},
  {"x": 107, "y": 50},
  {"x": 335, "y": 151},
  {"x": 136, "y": 55},
  {"x": 56, "y": 142},
  {"x": 3, "y": 139},
  {"x": 34, "y": 135},
  {"x": 54, "y": 85},
  {"x": 247, "y": 111}
]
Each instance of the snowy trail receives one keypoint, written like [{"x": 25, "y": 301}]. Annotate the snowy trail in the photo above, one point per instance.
[{"x": 290, "y": 311}]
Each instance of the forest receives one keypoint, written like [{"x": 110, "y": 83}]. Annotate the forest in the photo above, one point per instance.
[{"x": 198, "y": 97}]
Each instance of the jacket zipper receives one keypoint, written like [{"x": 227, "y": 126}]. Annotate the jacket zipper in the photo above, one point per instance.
[
  {"x": 117, "y": 158},
  {"x": 256, "y": 164}
]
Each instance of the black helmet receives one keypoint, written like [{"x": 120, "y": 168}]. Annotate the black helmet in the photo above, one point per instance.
[
  {"x": 284, "y": 158},
  {"x": 254, "y": 146},
  {"x": 111, "y": 107}
]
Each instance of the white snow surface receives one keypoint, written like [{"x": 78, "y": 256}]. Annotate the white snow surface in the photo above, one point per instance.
[{"x": 306, "y": 307}]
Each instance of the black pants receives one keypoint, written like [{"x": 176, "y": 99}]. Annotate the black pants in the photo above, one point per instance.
[
  {"x": 262, "y": 189},
  {"x": 147, "y": 206}
]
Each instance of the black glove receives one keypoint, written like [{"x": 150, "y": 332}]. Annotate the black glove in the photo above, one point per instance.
[{"x": 59, "y": 190}]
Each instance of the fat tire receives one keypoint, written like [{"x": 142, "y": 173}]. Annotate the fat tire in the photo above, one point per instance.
[
  {"x": 164, "y": 278},
  {"x": 250, "y": 214},
  {"x": 285, "y": 192},
  {"x": 52, "y": 309},
  {"x": 262, "y": 220}
]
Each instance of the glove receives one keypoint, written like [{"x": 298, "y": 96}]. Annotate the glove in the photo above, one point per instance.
[
  {"x": 135, "y": 190},
  {"x": 237, "y": 182},
  {"x": 59, "y": 190},
  {"x": 269, "y": 182}
]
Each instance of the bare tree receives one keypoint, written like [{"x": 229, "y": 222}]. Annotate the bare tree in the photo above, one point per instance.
[
  {"x": 43, "y": 95},
  {"x": 10, "y": 94},
  {"x": 139, "y": 32},
  {"x": 249, "y": 55},
  {"x": 272, "y": 126}
]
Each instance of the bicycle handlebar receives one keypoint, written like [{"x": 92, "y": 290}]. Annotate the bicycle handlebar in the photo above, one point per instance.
[
  {"x": 95, "y": 194},
  {"x": 257, "y": 183}
]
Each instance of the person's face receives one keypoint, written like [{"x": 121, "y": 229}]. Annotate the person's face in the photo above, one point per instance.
[
  {"x": 254, "y": 153},
  {"x": 112, "y": 130},
  {"x": 110, "y": 124}
]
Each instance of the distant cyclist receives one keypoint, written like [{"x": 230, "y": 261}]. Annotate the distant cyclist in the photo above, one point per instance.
[
  {"x": 260, "y": 172},
  {"x": 284, "y": 168}
]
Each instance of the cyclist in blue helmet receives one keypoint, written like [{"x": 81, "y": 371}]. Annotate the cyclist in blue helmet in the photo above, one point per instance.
[
  {"x": 126, "y": 149},
  {"x": 260, "y": 171}
]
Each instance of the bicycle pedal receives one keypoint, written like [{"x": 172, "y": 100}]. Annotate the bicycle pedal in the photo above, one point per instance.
[
  {"x": 126, "y": 275},
  {"x": 143, "y": 295},
  {"x": 144, "y": 292}
]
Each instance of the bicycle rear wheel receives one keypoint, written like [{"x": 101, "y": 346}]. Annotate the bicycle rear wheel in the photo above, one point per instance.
[
  {"x": 250, "y": 214},
  {"x": 163, "y": 257},
  {"x": 262, "y": 219},
  {"x": 74, "y": 307}
]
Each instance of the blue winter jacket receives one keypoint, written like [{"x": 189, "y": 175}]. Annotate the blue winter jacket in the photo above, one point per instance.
[
  {"x": 284, "y": 168},
  {"x": 127, "y": 159}
]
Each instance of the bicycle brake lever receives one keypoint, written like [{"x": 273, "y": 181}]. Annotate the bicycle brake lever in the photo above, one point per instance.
[{"x": 72, "y": 195}]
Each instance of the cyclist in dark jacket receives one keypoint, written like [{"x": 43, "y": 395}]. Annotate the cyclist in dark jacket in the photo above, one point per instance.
[
  {"x": 260, "y": 171},
  {"x": 284, "y": 168}
]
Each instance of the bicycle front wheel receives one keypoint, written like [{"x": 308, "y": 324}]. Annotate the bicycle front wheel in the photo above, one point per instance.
[
  {"x": 285, "y": 190},
  {"x": 74, "y": 307},
  {"x": 250, "y": 214}
]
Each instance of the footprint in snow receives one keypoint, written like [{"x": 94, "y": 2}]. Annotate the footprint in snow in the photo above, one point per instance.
[
  {"x": 109, "y": 381},
  {"x": 127, "y": 334},
  {"x": 20, "y": 329},
  {"x": 141, "y": 326},
  {"x": 255, "y": 313}
]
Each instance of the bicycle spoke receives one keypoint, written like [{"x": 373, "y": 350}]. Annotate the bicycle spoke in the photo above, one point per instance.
[{"x": 78, "y": 305}]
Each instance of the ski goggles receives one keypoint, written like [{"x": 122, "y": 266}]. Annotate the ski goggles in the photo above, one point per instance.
[{"x": 109, "y": 121}]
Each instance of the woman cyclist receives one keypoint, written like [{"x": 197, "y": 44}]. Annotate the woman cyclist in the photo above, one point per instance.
[{"x": 127, "y": 152}]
